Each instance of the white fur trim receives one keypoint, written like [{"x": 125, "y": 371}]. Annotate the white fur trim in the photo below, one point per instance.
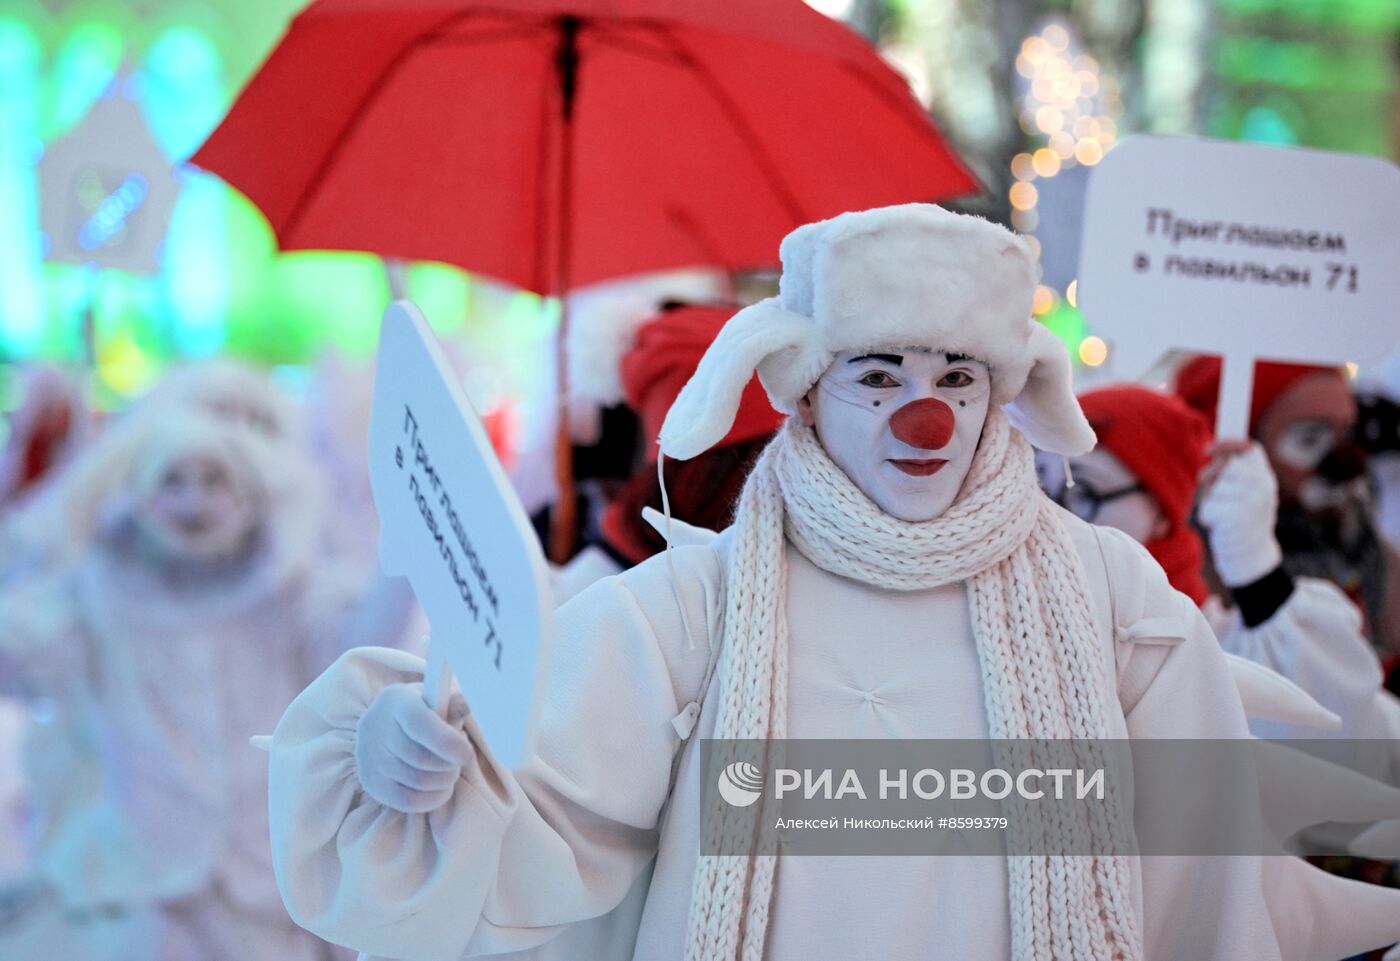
[
  {"x": 1046, "y": 410},
  {"x": 704, "y": 411},
  {"x": 913, "y": 275},
  {"x": 105, "y": 483},
  {"x": 604, "y": 319},
  {"x": 221, "y": 385}
]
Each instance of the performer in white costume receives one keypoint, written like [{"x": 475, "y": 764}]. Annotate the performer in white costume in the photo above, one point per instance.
[
  {"x": 1305, "y": 420},
  {"x": 199, "y": 606},
  {"x": 32, "y": 538},
  {"x": 893, "y": 572},
  {"x": 1142, "y": 479}
]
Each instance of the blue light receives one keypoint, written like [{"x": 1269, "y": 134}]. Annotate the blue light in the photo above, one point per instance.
[
  {"x": 22, "y": 305},
  {"x": 135, "y": 86},
  {"x": 182, "y": 89},
  {"x": 112, "y": 214}
]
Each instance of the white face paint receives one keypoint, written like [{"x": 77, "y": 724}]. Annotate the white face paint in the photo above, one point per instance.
[
  {"x": 197, "y": 512},
  {"x": 903, "y": 423},
  {"x": 1304, "y": 444},
  {"x": 1104, "y": 492}
]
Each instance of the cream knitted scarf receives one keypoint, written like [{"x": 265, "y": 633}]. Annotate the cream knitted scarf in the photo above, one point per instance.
[{"x": 1036, "y": 642}]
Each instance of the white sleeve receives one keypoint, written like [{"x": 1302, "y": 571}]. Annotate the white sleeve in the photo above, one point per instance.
[
  {"x": 1315, "y": 640},
  {"x": 513, "y": 855},
  {"x": 1220, "y": 907},
  {"x": 43, "y": 651}
]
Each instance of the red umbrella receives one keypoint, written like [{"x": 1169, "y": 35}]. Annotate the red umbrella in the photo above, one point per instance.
[{"x": 556, "y": 143}]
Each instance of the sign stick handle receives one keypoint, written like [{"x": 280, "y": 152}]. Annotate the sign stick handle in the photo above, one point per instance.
[
  {"x": 437, "y": 679},
  {"x": 1236, "y": 386}
]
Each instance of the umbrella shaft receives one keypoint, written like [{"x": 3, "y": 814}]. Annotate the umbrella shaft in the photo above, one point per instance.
[
  {"x": 564, "y": 523},
  {"x": 566, "y": 61}
]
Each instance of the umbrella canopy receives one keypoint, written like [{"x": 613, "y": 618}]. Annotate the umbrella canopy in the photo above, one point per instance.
[{"x": 557, "y": 143}]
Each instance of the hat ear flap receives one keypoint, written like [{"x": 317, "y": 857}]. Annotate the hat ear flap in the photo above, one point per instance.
[
  {"x": 1046, "y": 410},
  {"x": 704, "y": 411}
]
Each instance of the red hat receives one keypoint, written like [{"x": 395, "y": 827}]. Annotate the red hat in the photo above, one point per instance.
[
  {"x": 1163, "y": 442},
  {"x": 1198, "y": 383},
  {"x": 667, "y": 351},
  {"x": 1156, "y": 436}
]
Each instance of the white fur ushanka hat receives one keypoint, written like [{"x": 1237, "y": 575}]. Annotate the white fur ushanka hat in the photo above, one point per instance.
[{"x": 914, "y": 275}]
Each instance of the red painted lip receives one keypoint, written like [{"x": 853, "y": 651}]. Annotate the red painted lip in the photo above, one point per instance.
[{"x": 920, "y": 468}]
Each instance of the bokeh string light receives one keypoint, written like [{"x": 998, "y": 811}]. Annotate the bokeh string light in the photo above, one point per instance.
[
  {"x": 110, "y": 211},
  {"x": 1070, "y": 109}
]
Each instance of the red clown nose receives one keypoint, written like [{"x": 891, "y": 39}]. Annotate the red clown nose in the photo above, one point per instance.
[{"x": 926, "y": 424}]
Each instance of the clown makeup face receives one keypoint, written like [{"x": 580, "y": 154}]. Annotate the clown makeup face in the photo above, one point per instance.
[
  {"x": 903, "y": 423},
  {"x": 196, "y": 511},
  {"x": 1105, "y": 492},
  {"x": 1300, "y": 429}
]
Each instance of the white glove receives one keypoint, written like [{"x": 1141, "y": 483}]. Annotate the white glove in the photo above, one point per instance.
[
  {"x": 1240, "y": 510},
  {"x": 407, "y": 758}
]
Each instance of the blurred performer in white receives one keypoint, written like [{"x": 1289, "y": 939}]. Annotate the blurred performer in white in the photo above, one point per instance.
[
  {"x": 246, "y": 399},
  {"x": 44, "y": 431},
  {"x": 1305, "y": 419},
  {"x": 194, "y": 602},
  {"x": 1143, "y": 477},
  {"x": 227, "y": 390}
]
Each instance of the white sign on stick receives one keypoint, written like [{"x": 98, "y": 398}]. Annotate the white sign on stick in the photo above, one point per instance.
[
  {"x": 451, "y": 524},
  {"x": 1247, "y": 251}
]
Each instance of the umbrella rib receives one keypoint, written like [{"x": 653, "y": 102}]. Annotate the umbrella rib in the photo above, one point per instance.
[
  {"x": 908, "y": 110},
  {"x": 730, "y": 108},
  {"x": 333, "y": 152}
]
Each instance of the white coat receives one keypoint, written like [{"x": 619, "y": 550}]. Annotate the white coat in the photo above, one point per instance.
[
  {"x": 1315, "y": 640},
  {"x": 149, "y": 801},
  {"x": 613, "y": 780}
]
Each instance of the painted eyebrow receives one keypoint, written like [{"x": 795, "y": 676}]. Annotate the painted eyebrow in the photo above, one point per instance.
[
  {"x": 894, "y": 360},
  {"x": 957, "y": 358}
]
